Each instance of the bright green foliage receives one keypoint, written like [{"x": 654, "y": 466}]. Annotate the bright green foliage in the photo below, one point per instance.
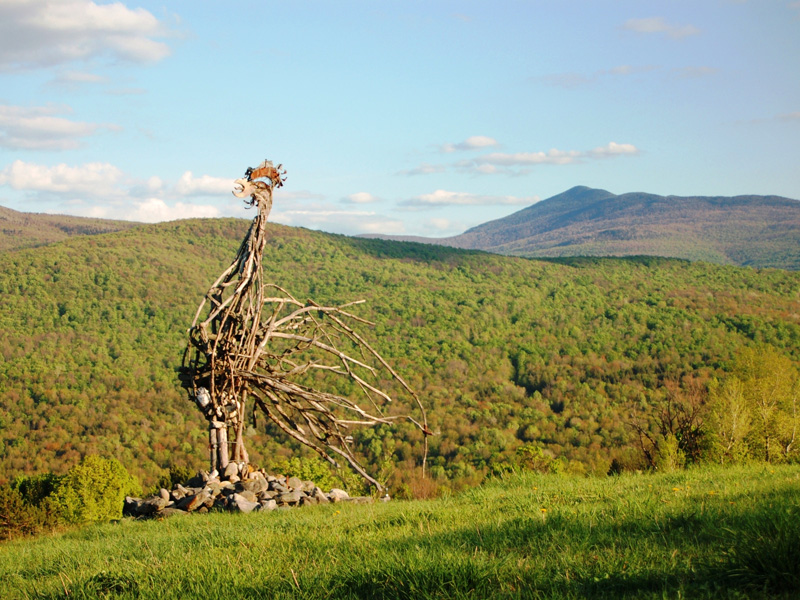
[
  {"x": 532, "y": 457},
  {"x": 308, "y": 469},
  {"x": 91, "y": 491}
]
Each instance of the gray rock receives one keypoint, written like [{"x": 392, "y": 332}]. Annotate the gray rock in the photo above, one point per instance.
[
  {"x": 254, "y": 485},
  {"x": 173, "y": 512},
  {"x": 231, "y": 469},
  {"x": 247, "y": 495},
  {"x": 308, "y": 486},
  {"x": 277, "y": 486},
  {"x": 319, "y": 495},
  {"x": 295, "y": 483},
  {"x": 152, "y": 505},
  {"x": 268, "y": 505},
  {"x": 308, "y": 501},
  {"x": 233, "y": 478},
  {"x": 335, "y": 495},
  {"x": 164, "y": 494},
  {"x": 289, "y": 497},
  {"x": 243, "y": 505},
  {"x": 213, "y": 488}
]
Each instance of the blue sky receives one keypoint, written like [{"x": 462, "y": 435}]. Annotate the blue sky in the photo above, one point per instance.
[{"x": 417, "y": 118}]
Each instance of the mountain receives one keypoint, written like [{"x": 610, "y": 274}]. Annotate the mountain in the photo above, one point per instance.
[
  {"x": 28, "y": 230},
  {"x": 757, "y": 231},
  {"x": 502, "y": 350}
]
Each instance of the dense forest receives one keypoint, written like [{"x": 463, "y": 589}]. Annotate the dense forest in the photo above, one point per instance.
[{"x": 573, "y": 361}]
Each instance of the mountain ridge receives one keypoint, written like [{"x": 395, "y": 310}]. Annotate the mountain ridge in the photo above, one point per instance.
[{"x": 744, "y": 230}]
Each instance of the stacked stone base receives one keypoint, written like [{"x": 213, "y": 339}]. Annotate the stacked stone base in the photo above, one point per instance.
[{"x": 239, "y": 489}]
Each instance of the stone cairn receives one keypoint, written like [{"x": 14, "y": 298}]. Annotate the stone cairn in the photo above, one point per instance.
[{"x": 240, "y": 488}]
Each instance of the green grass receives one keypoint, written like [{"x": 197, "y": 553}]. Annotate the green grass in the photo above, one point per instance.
[{"x": 705, "y": 533}]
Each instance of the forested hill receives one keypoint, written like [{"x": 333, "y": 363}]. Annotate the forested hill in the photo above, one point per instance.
[
  {"x": 503, "y": 350},
  {"x": 27, "y": 230},
  {"x": 759, "y": 231}
]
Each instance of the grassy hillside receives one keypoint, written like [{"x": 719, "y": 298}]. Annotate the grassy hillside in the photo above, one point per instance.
[
  {"x": 759, "y": 231},
  {"x": 28, "y": 230},
  {"x": 503, "y": 351},
  {"x": 709, "y": 533}
]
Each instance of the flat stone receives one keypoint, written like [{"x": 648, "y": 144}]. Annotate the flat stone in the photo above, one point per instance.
[
  {"x": 295, "y": 483},
  {"x": 194, "y": 502},
  {"x": 173, "y": 512},
  {"x": 276, "y": 486},
  {"x": 268, "y": 505},
  {"x": 243, "y": 505},
  {"x": 290, "y": 497},
  {"x": 152, "y": 505}
]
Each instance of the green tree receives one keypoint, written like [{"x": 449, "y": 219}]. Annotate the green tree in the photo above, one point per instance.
[{"x": 771, "y": 386}]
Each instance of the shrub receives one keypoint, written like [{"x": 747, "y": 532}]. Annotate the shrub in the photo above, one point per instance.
[
  {"x": 93, "y": 490},
  {"x": 18, "y": 516}
]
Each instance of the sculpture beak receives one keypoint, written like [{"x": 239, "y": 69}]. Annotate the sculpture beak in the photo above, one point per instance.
[{"x": 238, "y": 188}]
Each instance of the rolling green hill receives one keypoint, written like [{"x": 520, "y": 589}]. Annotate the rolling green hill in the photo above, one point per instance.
[
  {"x": 759, "y": 231},
  {"x": 503, "y": 350},
  {"x": 28, "y": 230}
]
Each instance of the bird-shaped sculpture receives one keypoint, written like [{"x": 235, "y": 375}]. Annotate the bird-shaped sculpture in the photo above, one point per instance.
[{"x": 259, "y": 345}]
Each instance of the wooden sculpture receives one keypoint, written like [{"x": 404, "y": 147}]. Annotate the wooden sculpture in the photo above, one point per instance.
[{"x": 259, "y": 345}]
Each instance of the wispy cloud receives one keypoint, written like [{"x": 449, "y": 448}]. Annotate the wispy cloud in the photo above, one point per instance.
[
  {"x": 424, "y": 169},
  {"x": 42, "y": 33},
  {"x": 37, "y": 128},
  {"x": 574, "y": 80},
  {"x": 360, "y": 198},
  {"x": 448, "y": 198},
  {"x": 475, "y": 142},
  {"x": 520, "y": 163},
  {"x": 658, "y": 25}
]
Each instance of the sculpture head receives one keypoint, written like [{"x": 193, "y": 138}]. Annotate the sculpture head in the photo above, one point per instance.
[{"x": 257, "y": 184}]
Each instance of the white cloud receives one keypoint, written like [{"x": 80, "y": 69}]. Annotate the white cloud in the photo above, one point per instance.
[
  {"x": 43, "y": 33},
  {"x": 92, "y": 179},
  {"x": 36, "y": 128},
  {"x": 613, "y": 149},
  {"x": 475, "y": 142},
  {"x": 205, "y": 185},
  {"x": 424, "y": 169},
  {"x": 360, "y": 198},
  {"x": 659, "y": 25},
  {"x": 447, "y": 198}
]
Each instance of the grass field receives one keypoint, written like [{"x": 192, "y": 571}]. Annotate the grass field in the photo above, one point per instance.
[{"x": 703, "y": 533}]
